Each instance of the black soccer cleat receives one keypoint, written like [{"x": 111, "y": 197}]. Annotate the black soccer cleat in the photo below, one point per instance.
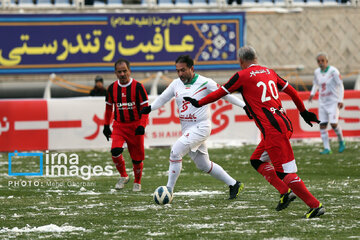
[
  {"x": 236, "y": 189},
  {"x": 315, "y": 212},
  {"x": 285, "y": 200}
]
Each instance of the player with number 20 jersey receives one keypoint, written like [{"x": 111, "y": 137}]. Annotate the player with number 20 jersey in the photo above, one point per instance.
[{"x": 260, "y": 87}]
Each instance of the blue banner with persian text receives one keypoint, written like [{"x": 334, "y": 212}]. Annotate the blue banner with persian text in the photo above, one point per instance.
[{"x": 82, "y": 43}]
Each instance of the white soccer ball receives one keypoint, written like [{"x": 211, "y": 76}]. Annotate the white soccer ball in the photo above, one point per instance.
[{"x": 163, "y": 195}]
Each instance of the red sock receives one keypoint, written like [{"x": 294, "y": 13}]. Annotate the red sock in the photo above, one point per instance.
[
  {"x": 268, "y": 171},
  {"x": 298, "y": 187},
  {"x": 120, "y": 165},
  {"x": 138, "y": 172}
]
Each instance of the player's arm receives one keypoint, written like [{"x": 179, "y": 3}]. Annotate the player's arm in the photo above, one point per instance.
[
  {"x": 144, "y": 102},
  {"x": 108, "y": 113},
  {"x": 229, "y": 87},
  {"x": 289, "y": 90},
  {"x": 314, "y": 88},
  {"x": 164, "y": 97},
  {"x": 339, "y": 81}
]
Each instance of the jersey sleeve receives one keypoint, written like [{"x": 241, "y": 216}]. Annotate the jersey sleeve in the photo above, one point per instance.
[
  {"x": 229, "y": 87},
  {"x": 340, "y": 83},
  {"x": 213, "y": 86},
  {"x": 164, "y": 97},
  {"x": 289, "y": 90},
  {"x": 144, "y": 102},
  {"x": 234, "y": 100},
  {"x": 109, "y": 98},
  {"x": 232, "y": 84},
  {"x": 109, "y": 105},
  {"x": 315, "y": 85}
]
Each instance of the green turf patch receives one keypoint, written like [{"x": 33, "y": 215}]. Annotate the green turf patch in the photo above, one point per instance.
[{"x": 74, "y": 208}]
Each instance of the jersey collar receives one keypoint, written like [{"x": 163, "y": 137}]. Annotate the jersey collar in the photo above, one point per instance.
[
  {"x": 326, "y": 69},
  {"x": 192, "y": 80},
  {"x": 125, "y": 85}
]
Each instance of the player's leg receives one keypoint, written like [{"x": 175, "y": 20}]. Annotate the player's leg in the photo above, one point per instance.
[
  {"x": 299, "y": 188},
  {"x": 334, "y": 119},
  {"x": 282, "y": 157},
  {"x": 178, "y": 150},
  {"x": 324, "y": 119},
  {"x": 260, "y": 161},
  {"x": 118, "y": 159},
  {"x": 137, "y": 153},
  {"x": 202, "y": 162}
]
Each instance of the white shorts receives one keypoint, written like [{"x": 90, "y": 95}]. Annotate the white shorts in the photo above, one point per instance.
[
  {"x": 329, "y": 114},
  {"x": 195, "y": 136}
]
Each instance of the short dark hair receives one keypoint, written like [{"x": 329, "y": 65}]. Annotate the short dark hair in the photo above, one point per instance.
[
  {"x": 99, "y": 79},
  {"x": 121, "y": 60},
  {"x": 185, "y": 59}
]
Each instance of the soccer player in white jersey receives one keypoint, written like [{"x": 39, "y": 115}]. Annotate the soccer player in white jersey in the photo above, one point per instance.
[
  {"x": 328, "y": 81},
  {"x": 195, "y": 123}
]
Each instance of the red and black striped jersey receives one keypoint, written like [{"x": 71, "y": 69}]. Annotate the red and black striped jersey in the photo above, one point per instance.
[
  {"x": 260, "y": 87},
  {"x": 127, "y": 100}
]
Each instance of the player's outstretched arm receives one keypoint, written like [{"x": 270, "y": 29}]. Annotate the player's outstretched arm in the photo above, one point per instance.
[
  {"x": 212, "y": 97},
  {"x": 305, "y": 114}
]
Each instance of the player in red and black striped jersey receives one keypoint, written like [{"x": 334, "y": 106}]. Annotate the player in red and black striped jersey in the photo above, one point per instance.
[
  {"x": 125, "y": 98},
  {"x": 260, "y": 88}
]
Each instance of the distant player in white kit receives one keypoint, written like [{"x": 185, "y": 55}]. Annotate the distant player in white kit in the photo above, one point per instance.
[
  {"x": 327, "y": 80},
  {"x": 195, "y": 123}
]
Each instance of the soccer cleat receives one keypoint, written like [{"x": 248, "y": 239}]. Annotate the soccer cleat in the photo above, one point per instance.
[
  {"x": 137, "y": 187},
  {"x": 236, "y": 189},
  {"x": 121, "y": 183},
  {"x": 285, "y": 200},
  {"x": 326, "y": 151},
  {"x": 315, "y": 212},
  {"x": 341, "y": 146}
]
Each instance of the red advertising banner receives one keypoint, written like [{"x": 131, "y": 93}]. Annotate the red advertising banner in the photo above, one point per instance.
[{"x": 77, "y": 123}]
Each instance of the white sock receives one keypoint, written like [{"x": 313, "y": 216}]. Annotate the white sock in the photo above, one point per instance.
[
  {"x": 219, "y": 173},
  {"x": 325, "y": 138},
  {"x": 174, "y": 172},
  {"x": 339, "y": 134}
]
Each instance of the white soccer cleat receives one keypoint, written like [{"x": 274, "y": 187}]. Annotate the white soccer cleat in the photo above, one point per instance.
[
  {"x": 137, "y": 187},
  {"x": 121, "y": 183}
]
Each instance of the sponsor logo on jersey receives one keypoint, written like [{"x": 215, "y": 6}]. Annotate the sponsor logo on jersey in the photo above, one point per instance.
[
  {"x": 253, "y": 73},
  {"x": 126, "y": 105}
]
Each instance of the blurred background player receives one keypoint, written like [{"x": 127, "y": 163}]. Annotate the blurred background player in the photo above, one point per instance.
[
  {"x": 260, "y": 88},
  {"x": 327, "y": 80},
  {"x": 98, "y": 89},
  {"x": 195, "y": 123},
  {"x": 125, "y": 98}
]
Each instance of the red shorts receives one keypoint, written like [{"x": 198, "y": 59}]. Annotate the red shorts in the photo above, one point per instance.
[
  {"x": 125, "y": 132},
  {"x": 278, "y": 151}
]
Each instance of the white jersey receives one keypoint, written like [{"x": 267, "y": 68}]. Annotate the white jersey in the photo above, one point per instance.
[
  {"x": 330, "y": 85},
  {"x": 198, "y": 88}
]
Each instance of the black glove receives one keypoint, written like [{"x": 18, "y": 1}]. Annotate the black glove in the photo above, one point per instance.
[
  {"x": 145, "y": 110},
  {"x": 140, "y": 130},
  {"x": 107, "y": 132},
  {"x": 193, "y": 101},
  {"x": 248, "y": 112},
  {"x": 309, "y": 117}
]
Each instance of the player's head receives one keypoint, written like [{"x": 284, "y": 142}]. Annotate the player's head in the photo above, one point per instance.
[
  {"x": 247, "y": 56},
  {"x": 122, "y": 70},
  {"x": 185, "y": 68},
  {"x": 322, "y": 60},
  {"x": 99, "y": 81}
]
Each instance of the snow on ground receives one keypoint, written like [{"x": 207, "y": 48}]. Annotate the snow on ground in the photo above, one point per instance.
[
  {"x": 46, "y": 228},
  {"x": 197, "y": 193}
]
